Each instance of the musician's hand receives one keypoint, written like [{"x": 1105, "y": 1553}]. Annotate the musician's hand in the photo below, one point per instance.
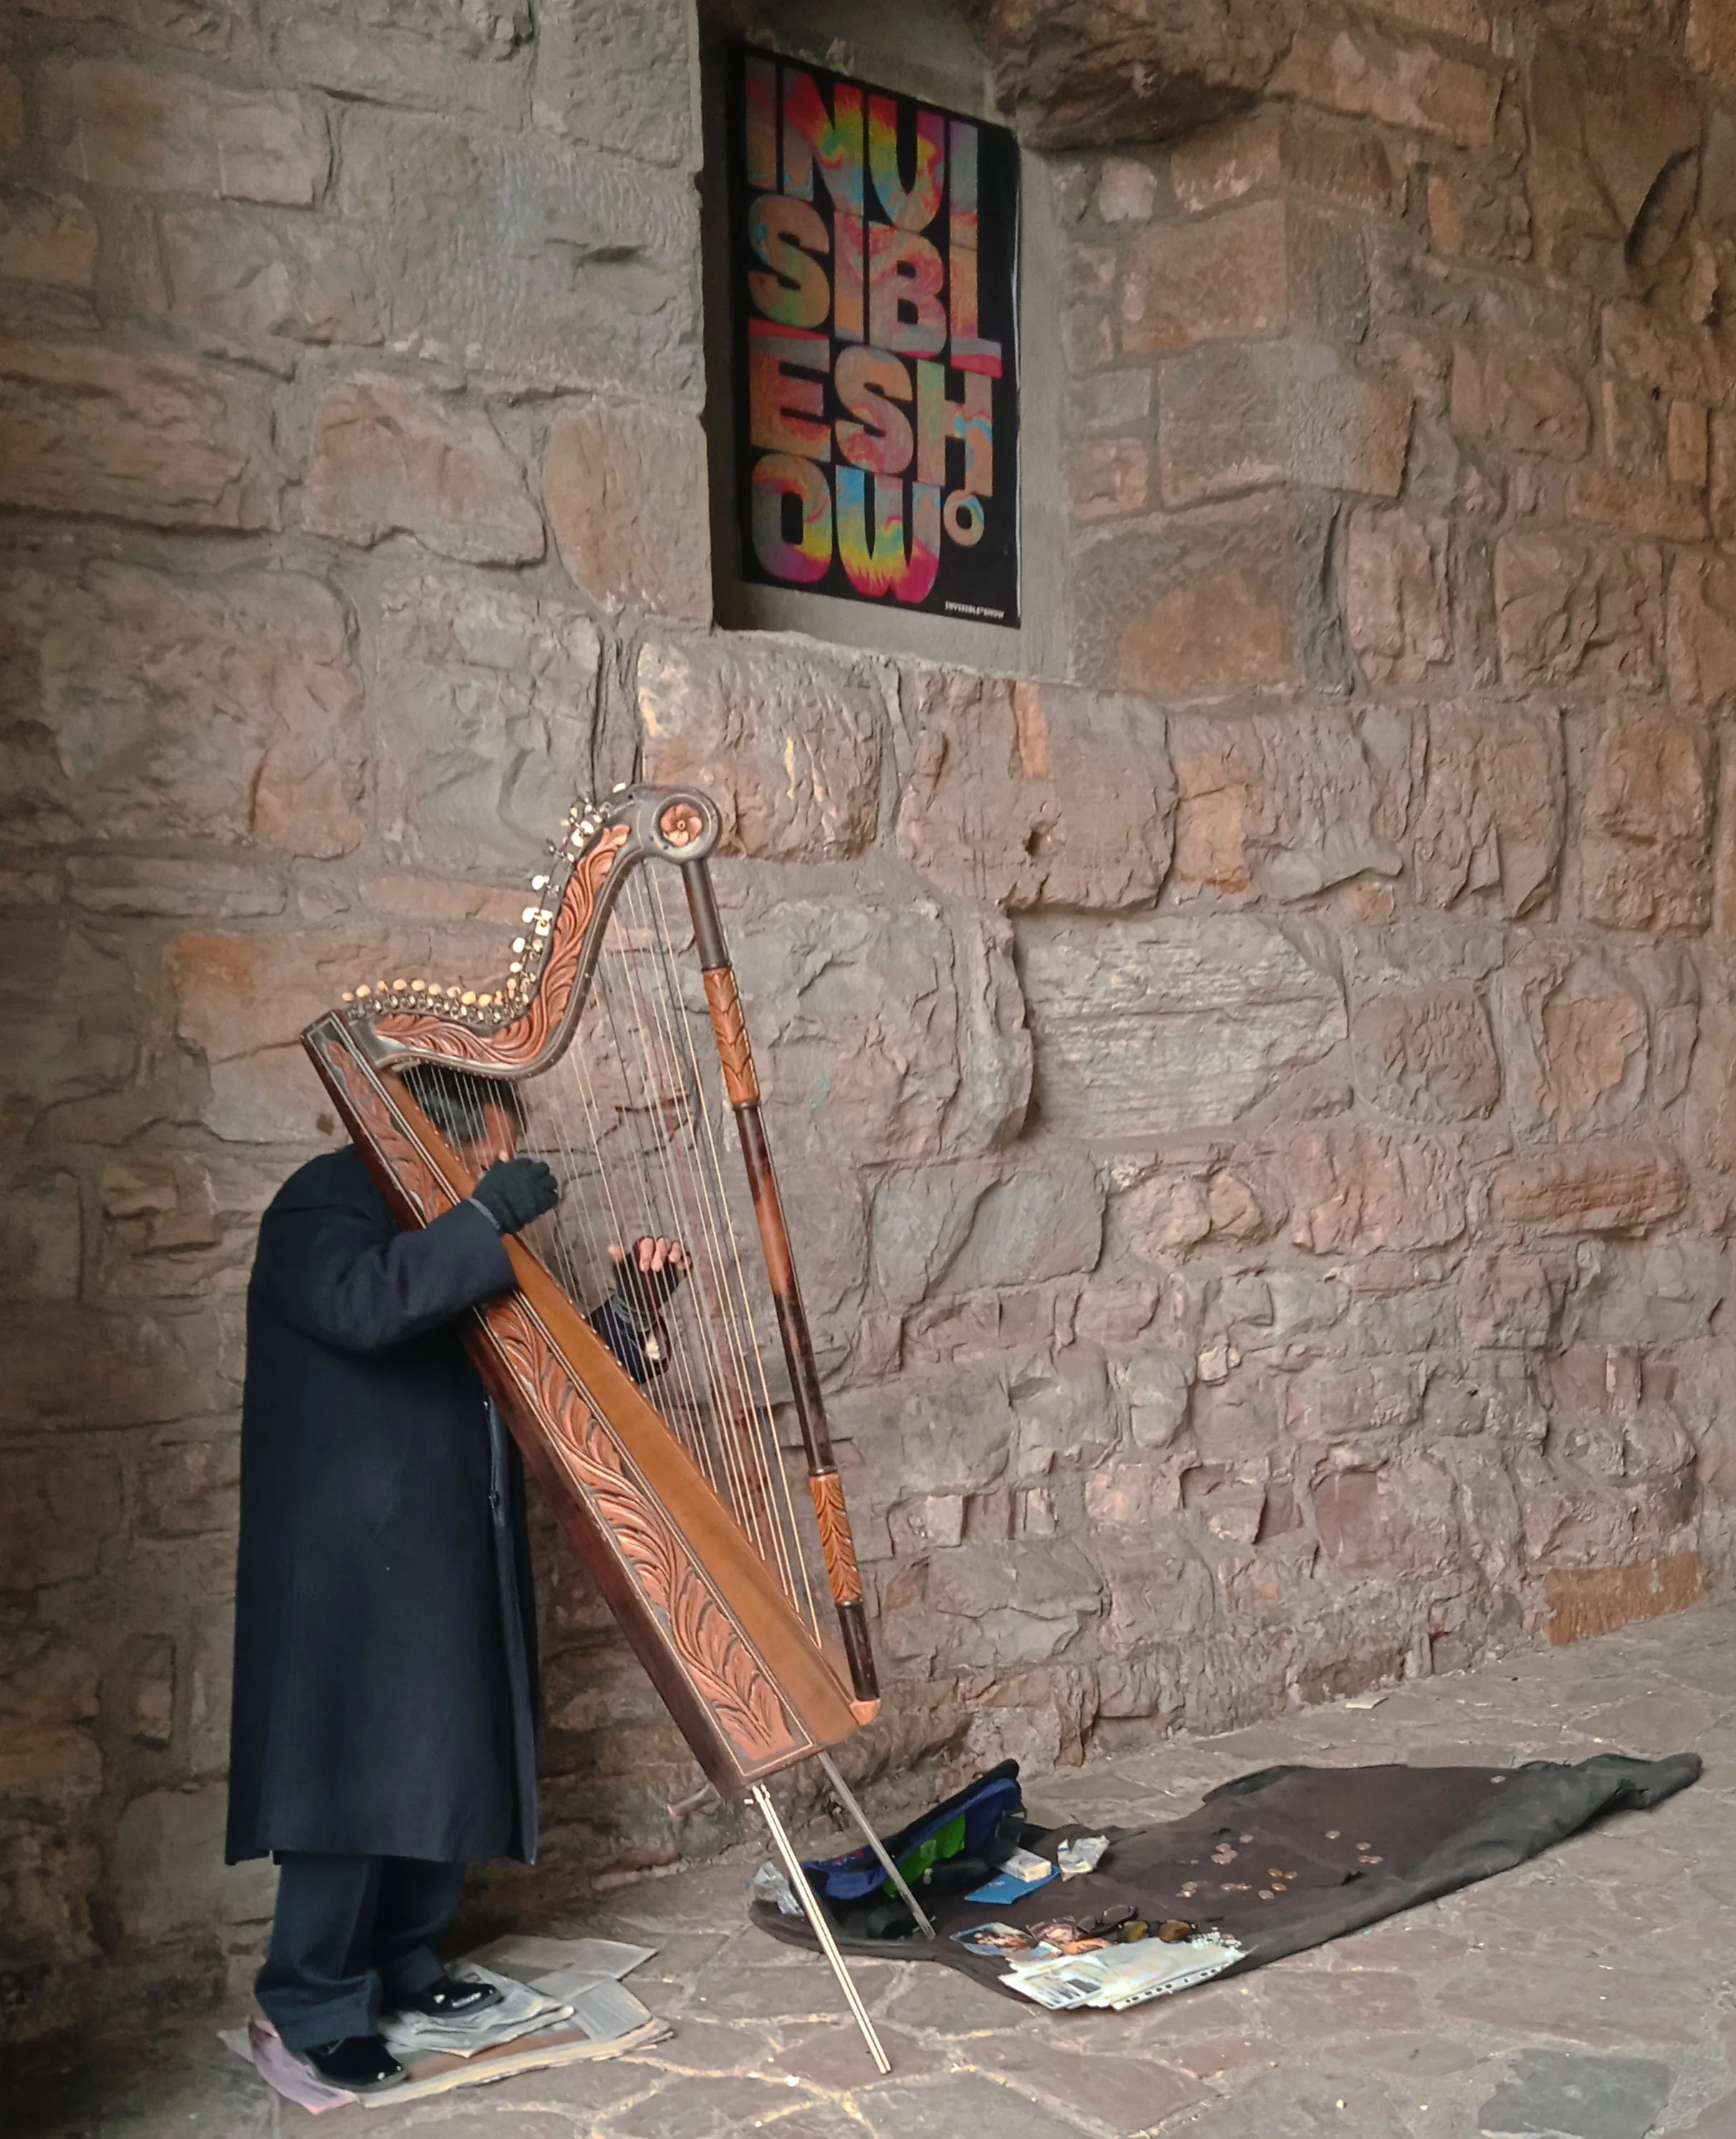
[
  {"x": 647, "y": 1275},
  {"x": 515, "y": 1191}
]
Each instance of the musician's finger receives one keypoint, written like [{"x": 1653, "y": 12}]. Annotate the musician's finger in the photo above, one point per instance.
[
  {"x": 617, "y": 1253},
  {"x": 660, "y": 1256},
  {"x": 678, "y": 1256},
  {"x": 647, "y": 1248}
]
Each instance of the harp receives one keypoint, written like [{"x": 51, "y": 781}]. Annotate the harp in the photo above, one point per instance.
[{"x": 621, "y": 1030}]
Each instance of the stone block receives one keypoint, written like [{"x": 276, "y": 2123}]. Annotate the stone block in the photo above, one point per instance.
[
  {"x": 1480, "y": 212},
  {"x": 1239, "y": 606},
  {"x": 1711, "y": 41},
  {"x": 1345, "y": 1399},
  {"x": 1289, "y": 803},
  {"x": 241, "y": 1002},
  {"x": 191, "y": 1489},
  {"x": 1293, "y": 151},
  {"x": 1028, "y": 794},
  {"x": 1268, "y": 267},
  {"x": 1145, "y": 1026},
  {"x": 49, "y": 1870},
  {"x": 223, "y": 708},
  {"x": 1359, "y": 1525},
  {"x": 1509, "y": 1298},
  {"x": 790, "y": 746},
  {"x": 252, "y": 278},
  {"x": 463, "y": 56},
  {"x": 1357, "y": 1188},
  {"x": 221, "y": 29},
  {"x": 1605, "y": 125},
  {"x": 484, "y": 696},
  {"x": 170, "y": 884},
  {"x": 1365, "y": 72},
  {"x": 893, "y": 1033},
  {"x": 962, "y": 1228},
  {"x": 1525, "y": 394},
  {"x": 41, "y": 1234},
  {"x": 1287, "y": 412},
  {"x": 1427, "y": 1055},
  {"x": 624, "y": 488},
  {"x": 1646, "y": 849},
  {"x": 47, "y": 1694},
  {"x": 58, "y": 1509},
  {"x": 1702, "y": 631},
  {"x": 179, "y": 1224},
  {"x": 389, "y": 459},
  {"x": 1604, "y": 1186},
  {"x": 67, "y": 998},
  {"x": 161, "y": 440},
  {"x": 1569, "y": 609},
  {"x": 1577, "y": 1041},
  {"x": 1004, "y": 1607},
  {"x": 138, "y": 129},
  {"x": 48, "y": 238},
  {"x": 1127, "y": 190},
  {"x": 1610, "y": 500},
  {"x": 1491, "y": 812},
  {"x": 80, "y": 1369},
  {"x": 617, "y": 77},
  {"x": 169, "y": 1872},
  {"x": 530, "y": 262},
  {"x": 1595, "y": 1600},
  {"x": 1395, "y": 608},
  {"x": 1107, "y": 477}
]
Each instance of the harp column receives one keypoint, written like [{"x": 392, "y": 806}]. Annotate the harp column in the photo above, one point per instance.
[{"x": 743, "y": 1086}]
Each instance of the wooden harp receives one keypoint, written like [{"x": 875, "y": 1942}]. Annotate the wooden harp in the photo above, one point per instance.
[{"x": 620, "y": 1028}]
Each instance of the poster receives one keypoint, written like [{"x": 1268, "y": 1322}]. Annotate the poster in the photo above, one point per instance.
[{"x": 873, "y": 266}]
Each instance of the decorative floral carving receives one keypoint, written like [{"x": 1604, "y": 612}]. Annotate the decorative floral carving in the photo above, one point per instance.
[
  {"x": 835, "y": 1539},
  {"x": 522, "y": 1040},
  {"x": 740, "y": 1080}
]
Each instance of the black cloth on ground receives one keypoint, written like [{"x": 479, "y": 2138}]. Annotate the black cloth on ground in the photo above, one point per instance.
[{"x": 1292, "y": 1857}]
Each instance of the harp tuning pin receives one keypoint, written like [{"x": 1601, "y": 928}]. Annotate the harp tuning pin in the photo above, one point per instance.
[
  {"x": 539, "y": 882},
  {"x": 349, "y": 995},
  {"x": 531, "y": 913},
  {"x": 516, "y": 966},
  {"x": 363, "y": 991},
  {"x": 398, "y": 987},
  {"x": 469, "y": 995},
  {"x": 518, "y": 942}
]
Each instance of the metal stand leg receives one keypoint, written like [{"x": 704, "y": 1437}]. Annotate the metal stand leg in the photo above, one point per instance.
[
  {"x": 847, "y": 1799},
  {"x": 822, "y": 1929}
]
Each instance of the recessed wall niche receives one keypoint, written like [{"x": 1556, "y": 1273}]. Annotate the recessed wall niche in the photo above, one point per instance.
[{"x": 929, "y": 58}]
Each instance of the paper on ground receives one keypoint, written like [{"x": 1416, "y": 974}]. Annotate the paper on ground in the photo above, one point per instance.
[
  {"x": 410, "y": 2035},
  {"x": 603, "y": 2007},
  {"x": 281, "y": 2070},
  {"x": 1118, "y": 1976},
  {"x": 542, "y": 2051},
  {"x": 529, "y": 1958}
]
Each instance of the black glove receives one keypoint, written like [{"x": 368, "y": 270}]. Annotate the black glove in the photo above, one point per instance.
[
  {"x": 514, "y": 1191},
  {"x": 644, "y": 1293}
]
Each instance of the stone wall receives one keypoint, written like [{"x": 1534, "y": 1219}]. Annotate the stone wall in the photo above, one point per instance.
[{"x": 1257, "y": 1108}]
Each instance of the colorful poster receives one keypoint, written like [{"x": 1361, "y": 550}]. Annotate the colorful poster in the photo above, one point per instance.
[{"x": 874, "y": 262}]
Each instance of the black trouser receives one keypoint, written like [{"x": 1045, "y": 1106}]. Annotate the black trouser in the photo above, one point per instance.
[{"x": 351, "y": 1937}]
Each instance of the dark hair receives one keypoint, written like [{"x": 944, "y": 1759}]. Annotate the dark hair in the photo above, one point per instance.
[{"x": 453, "y": 1100}]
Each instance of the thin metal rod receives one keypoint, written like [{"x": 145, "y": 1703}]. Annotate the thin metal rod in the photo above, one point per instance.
[
  {"x": 821, "y": 1929},
  {"x": 847, "y": 1797}
]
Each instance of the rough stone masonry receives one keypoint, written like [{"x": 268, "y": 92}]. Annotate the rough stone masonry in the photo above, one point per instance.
[{"x": 1259, "y": 1107}]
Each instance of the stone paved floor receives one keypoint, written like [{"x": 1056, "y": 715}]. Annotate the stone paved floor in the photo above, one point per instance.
[{"x": 1588, "y": 1994}]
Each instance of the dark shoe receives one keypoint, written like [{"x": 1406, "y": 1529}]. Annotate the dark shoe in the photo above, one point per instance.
[
  {"x": 361, "y": 2062},
  {"x": 449, "y": 1999}
]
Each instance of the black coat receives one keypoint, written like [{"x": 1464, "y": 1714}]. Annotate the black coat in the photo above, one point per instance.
[{"x": 384, "y": 1671}]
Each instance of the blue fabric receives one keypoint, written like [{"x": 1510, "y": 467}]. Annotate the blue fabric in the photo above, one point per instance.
[{"x": 976, "y": 1811}]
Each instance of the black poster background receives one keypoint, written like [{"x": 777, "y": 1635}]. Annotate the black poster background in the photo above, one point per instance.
[{"x": 782, "y": 194}]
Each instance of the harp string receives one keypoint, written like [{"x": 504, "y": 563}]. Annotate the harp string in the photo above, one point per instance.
[
  {"x": 778, "y": 1468},
  {"x": 657, "y": 1007},
  {"x": 627, "y": 1117}
]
